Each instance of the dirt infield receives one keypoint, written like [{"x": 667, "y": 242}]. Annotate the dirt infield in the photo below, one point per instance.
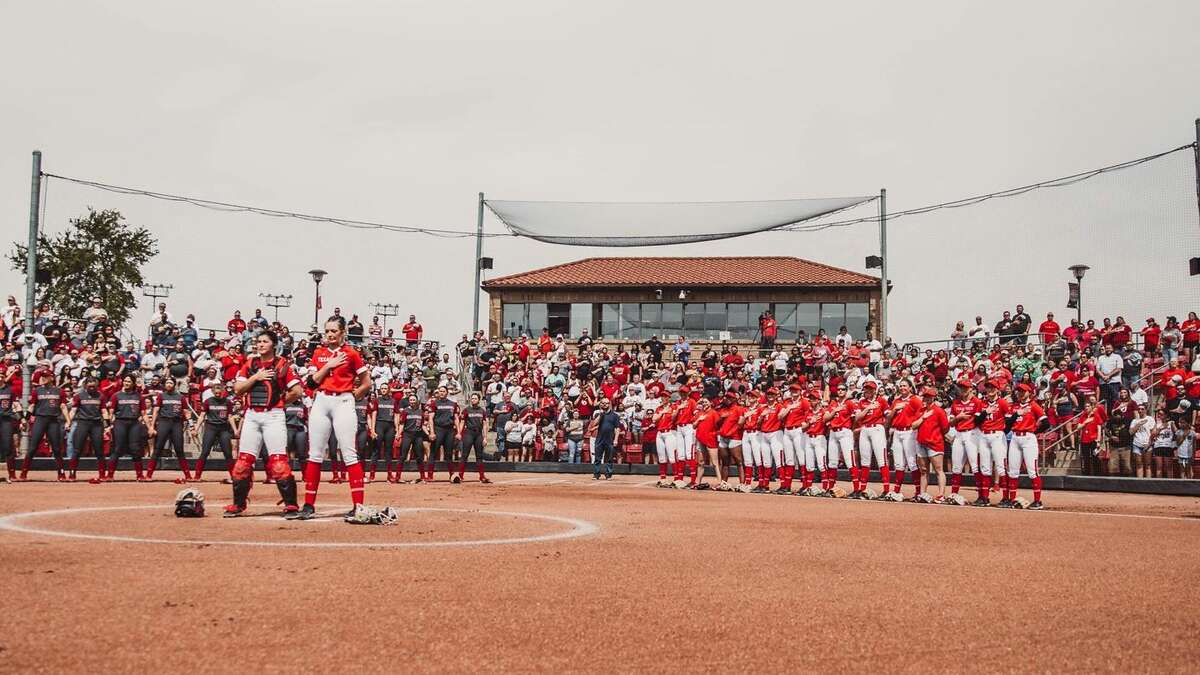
[{"x": 544, "y": 572}]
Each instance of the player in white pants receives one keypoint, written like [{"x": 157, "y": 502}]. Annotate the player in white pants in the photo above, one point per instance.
[
  {"x": 1028, "y": 420},
  {"x": 904, "y": 410},
  {"x": 993, "y": 442},
  {"x": 340, "y": 379},
  {"x": 816, "y": 450},
  {"x": 872, "y": 438}
]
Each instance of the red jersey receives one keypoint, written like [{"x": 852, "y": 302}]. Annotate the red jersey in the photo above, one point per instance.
[
  {"x": 340, "y": 380},
  {"x": 268, "y": 394},
  {"x": 816, "y": 423},
  {"x": 1091, "y": 424},
  {"x": 797, "y": 413},
  {"x": 906, "y": 411},
  {"x": 412, "y": 331},
  {"x": 873, "y": 410},
  {"x": 970, "y": 408},
  {"x": 731, "y": 423},
  {"x": 685, "y": 412},
  {"x": 769, "y": 421},
  {"x": 666, "y": 418},
  {"x": 706, "y": 428},
  {"x": 932, "y": 431},
  {"x": 996, "y": 413},
  {"x": 1028, "y": 416},
  {"x": 751, "y": 418},
  {"x": 843, "y": 413}
]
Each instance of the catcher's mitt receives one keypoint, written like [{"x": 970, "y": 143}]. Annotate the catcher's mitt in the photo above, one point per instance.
[
  {"x": 1020, "y": 503},
  {"x": 837, "y": 492},
  {"x": 189, "y": 503},
  {"x": 894, "y": 497},
  {"x": 955, "y": 499},
  {"x": 366, "y": 515},
  {"x": 871, "y": 494}
]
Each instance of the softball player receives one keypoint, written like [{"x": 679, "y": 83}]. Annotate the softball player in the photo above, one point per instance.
[
  {"x": 729, "y": 438},
  {"x": 905, "y": 408},
  {"x": 816, "y": 449},
  {"x": 872, "y": 438},
  {"x": 993, "y": 445},
  {"x": 964, "y": 449},
  {"x": 795, "y": 414},
  {"x": 839, "y": 415},
  {"x": 341, "y": 378},
  {"x": 1028, "y": 419}
]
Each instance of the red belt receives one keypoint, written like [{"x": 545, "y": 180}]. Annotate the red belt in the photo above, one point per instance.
[
  {"x": 794, "y": 428},
  {"x": 253, "y": 409}
]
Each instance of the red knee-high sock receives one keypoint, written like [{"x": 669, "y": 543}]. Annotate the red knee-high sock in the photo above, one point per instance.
[
  {"x": 678, "y": 470},
  {"x": 1037, "y": 489},
  {"x": 1010, "y": 488},
  {"x": 391, "y": 467},
  {"x": 662, "y": 470},
  {"x": 479, "y": 465},
  {"x": 25, "y": 464},
  {"x": 73, "y": 465},
  {"x": 199, "y": 469},
  {"x": 979, "y": 483},
  {"x": 185, "y": 468},
  {"x": 421, "y": 470},
  {"x": 747, "y": 471},
  {"x": 462, "y": 468},
  {"x": 150, "y": 467},
  {"x": 885, "y": 477},
  {"x": 373, "y": 470},
  {"x": 312, "y": 481},
  {"x": 985, "y": 485},
  {"x": 898, "y": 480},
  {"x": 955, "y": 482},
  {"x": 692, "y": 466},
  {"x": 11, "y": 465},
  {"x": 137, "y": 468},
  {"x": 785, "y": 481},
  {"x": 355, "y": 474}
]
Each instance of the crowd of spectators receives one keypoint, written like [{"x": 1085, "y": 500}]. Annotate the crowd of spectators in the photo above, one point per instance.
[{"x": 1122, "y": 400}]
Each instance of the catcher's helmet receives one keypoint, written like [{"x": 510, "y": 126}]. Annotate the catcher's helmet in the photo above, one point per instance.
[{"x": 189, "y": 503}]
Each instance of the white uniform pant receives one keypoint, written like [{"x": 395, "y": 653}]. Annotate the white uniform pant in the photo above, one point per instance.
[
  {"x": 814, "y": 453},
  {"x": 904, "y": 450},
  {"x": 773, "y": 440},
  {"x": 687, "y": 441},
  {"x": 793, "y": 446},
  {"x": 332, "y": 412},
  {"x": 667, "y": 446},
  {"x": 759, "y": 450},
  {"x": 964, "y": 450},
  {"x": 1023, "y": 447},
  {"x": 841, "y": 442},
  {"x": 264, "y": 427},
  {"x": 993, "y": 450},
  {"x": 872, "y": 443}
]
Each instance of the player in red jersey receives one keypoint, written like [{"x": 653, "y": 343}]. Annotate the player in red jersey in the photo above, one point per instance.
[
  {"x": 993, "y": 446},
  {"x": 729, "y": 438},
  {"x": 770, "y": 429},
  {"x": 872, "y": 438},
  {"x": 752, "y": 445},
  {"x": 965, "y": 412},
  {"x": 932, "y": 425},
  {"x": 839, "y": 416},
  {"x": 705, "y": 423},
  {"x": 664, "y": 442},
  {"x": 816, "y": 450},
  {"x": 340, "y": 379},
  {"x": 685, "y": 415},
  {"x": 1028, "y": 419},
  {"x": 268, "y": 383},
  {"x": 795, "y": 413},
  {"x": 904, "y": 409}
]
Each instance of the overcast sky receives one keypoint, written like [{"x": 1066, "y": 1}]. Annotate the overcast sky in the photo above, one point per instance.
[{"x": 401, "y": 112}]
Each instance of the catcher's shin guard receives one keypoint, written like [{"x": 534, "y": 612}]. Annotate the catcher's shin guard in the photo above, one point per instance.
[{"x": 287, "y": 491}]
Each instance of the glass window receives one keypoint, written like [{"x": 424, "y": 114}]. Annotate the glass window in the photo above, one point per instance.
[
  {"x": 738, "y": 316},
  {"x": 651, "y": 319},
  {"x": 750, "y": 330},
  {"x": 857, "y": 317},
  {"x": 833, "y": 317},
  {"x": 581, "y": 318},
  {"x": 631, "y": 317},
  {"x": 693, "y": 317},
  {"x": 715, "y": 318},
  {"x": 513, "y": 320},
  {"x": 539, "y": 318},
  {"x": 785, "y": 316},
  {"x": 610, "y": 318},
  {"x": 808, "y": 319},
  {"x": 672, "y": 319},
  {"x": 558, "y": 319}
]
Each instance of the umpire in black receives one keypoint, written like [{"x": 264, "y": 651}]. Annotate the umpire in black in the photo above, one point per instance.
[{"x": 608, "y": 431}]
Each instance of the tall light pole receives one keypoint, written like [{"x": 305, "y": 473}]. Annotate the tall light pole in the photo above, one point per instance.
[
  {"x": 385, "y": 310},
  {"x": 31, "y": 255},
  {"x": 317, "y": 276},
  {"x": 1079, "y": 271},
  {"x": 156, "y": 291},
  {"x": 276, "y": 300}
]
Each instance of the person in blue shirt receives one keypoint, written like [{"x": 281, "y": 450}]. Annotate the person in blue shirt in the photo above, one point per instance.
[{"x": 608, "y": 432}]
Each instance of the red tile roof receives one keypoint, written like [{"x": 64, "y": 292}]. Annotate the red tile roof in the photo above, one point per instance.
[{"x": 676, "y": 272}]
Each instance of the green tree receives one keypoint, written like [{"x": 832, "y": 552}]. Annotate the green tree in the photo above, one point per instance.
[{"x": 99, "y": 255}]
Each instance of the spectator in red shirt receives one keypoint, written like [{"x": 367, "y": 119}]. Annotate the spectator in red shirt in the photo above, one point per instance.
[
  {"x": 770, "y": 328},
  {"x": 545, "y": 342},
  {"x": 236, "y": 325},
  {"x": 1191, "y": 335},
  {"x": 412, "y": 331},
  {"x": 1150, "y": 335},
  {"x": 1049, "y": 330},
  {"x": 1122, "y": 333}
]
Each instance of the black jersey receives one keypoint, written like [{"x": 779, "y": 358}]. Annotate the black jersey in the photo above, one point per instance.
[
  {"x": 473, "y": 418},
  {"x": 88, "y": 405},
  {"x": 126, "y": 405},
  {"x": 170, "y": 406}
]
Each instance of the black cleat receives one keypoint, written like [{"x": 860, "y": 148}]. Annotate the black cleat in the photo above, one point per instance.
[
  {"x": 306, "y": 512},
  {"x": 1037, "y": 506},
  {"x": 1005, "y": 504},
  {"x": 980, "y": 501}
]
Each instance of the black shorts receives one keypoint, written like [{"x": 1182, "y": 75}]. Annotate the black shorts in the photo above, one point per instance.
[{"x": 1164, "y": 452}]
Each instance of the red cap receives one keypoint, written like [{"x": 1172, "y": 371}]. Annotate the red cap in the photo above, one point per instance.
[
  {"x": 773, "y": 391},
  {"x": 929, "y": 391},
  {"x": 870, "y": 384},
  {"x": 966, "y": 384},
  {"x": 1025, "y": 387}
]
